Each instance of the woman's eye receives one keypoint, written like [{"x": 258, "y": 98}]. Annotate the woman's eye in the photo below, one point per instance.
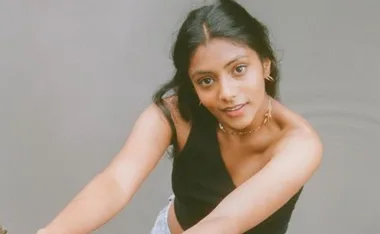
[
  {"x": 206, "y": 81},
  {"x": 240, "y": 69}
]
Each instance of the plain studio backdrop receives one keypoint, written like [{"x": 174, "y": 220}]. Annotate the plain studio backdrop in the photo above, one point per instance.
[{"x": 74, "y": 76}]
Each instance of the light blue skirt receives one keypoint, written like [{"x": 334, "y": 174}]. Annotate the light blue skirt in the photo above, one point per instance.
[{"x": 161, "y": 225}]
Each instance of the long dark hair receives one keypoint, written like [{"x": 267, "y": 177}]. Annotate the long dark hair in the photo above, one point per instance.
[{"x": 223, "y": 19}]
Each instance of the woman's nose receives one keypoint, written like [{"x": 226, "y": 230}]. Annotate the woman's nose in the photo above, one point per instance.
[{"x": 228, "y": 90}]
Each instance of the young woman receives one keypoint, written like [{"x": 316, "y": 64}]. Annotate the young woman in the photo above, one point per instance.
[{"x": 240, "y": 157}]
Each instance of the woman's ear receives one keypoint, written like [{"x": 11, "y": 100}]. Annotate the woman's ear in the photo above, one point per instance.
[{"x": 267, "y": 66}]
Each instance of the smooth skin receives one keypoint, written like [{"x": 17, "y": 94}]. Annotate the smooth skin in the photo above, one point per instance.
[
  {"x": 111, "y": 190},
  {"x": 268, "y": 167}
]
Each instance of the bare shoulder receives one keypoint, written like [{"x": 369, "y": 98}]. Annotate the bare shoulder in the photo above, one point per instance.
[
  {"x": 298, "y": 134},
  {"x": 152, "y": 117}
]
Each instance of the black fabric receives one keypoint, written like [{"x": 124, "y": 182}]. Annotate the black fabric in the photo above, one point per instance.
[{"x": 200, "y": 181}]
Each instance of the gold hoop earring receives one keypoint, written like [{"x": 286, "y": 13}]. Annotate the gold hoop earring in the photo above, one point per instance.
[{"x": 269, "y": 78}]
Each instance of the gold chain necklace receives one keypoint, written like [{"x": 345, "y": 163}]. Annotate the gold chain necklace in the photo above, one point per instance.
[{"x": 267, "y": 117}]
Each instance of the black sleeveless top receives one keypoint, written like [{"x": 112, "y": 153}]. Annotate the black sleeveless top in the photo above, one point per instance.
[{"x": 200, "y": 181}]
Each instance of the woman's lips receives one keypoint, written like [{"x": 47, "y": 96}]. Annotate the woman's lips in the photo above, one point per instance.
[{"x": 234, "y": 111}]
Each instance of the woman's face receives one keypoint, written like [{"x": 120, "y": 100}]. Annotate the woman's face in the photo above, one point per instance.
[{"x": 229, "y": 81}]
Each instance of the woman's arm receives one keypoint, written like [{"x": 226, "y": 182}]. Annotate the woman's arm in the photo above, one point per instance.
[
  {"x": 295, "y": 159},
  {"x": 113, "y": 188}
]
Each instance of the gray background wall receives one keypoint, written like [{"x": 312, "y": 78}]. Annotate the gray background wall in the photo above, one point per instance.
[{"x": 74, "y": 75}]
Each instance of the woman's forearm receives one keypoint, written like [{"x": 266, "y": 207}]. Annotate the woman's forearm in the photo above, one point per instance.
[{"x": 96, "y": 204}]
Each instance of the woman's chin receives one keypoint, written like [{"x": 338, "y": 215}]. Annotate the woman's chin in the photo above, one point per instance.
[{"x": 239, "y": 124}]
